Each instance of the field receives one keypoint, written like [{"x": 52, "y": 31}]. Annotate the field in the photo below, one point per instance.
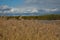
[{"x": 14, "y": 29}]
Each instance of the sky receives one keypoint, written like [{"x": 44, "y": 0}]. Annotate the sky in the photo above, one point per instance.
[
  {"x": 31, "y": 6},
  {"x": 12, "y": 3},
  {"x": 38, "y": 3}
]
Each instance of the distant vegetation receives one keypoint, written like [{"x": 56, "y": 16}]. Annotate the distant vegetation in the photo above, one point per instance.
[{"x": 43, "y": 17}]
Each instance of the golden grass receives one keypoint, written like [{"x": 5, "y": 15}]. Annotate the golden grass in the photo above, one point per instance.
[{"x": 29, "y": 29}]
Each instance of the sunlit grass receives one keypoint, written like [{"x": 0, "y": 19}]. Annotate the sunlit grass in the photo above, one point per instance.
[{"x": 18, "y": 28}]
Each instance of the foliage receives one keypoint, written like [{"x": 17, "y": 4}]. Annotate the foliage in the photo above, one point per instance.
[{"x": 43, "y": 17}]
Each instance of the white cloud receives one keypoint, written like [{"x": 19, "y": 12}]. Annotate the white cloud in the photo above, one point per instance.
[
  {"x": 7, "y": 9},
  {"x": 14, "y": 10},
  {"x": 25, "y": 10},
  {"x": 31, "y": 10},
  {"x": 4, "y": 6},
  {"x": 49, "y": 10}
]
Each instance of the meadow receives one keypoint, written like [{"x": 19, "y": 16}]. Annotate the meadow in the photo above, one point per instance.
[{"x": 17, "y": 28}]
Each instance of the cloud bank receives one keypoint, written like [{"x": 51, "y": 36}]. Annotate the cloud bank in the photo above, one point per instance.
[
  {"x": 7, "y": 9},
  {"x": 44, "y": 3}
]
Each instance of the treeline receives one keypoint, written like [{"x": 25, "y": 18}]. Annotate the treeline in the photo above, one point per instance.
[{"x": 43, "y": 17}]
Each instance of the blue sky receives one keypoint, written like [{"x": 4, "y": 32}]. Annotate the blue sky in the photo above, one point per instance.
[
  {"x": 39, "y": 3},
  {"x": 30, "y": 5},
  {"x": 12, "y": 3}
]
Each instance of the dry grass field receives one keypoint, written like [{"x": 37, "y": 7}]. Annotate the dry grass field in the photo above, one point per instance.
[{"x": 13, "y": 29}]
